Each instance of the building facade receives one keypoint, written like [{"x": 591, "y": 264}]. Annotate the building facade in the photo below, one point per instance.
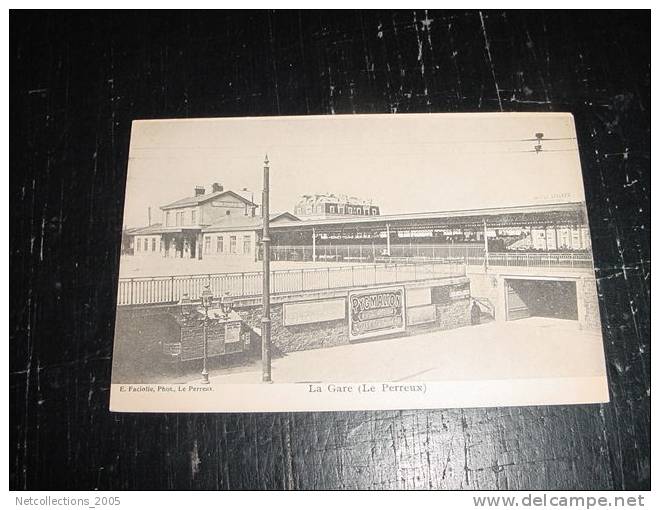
[
  {"x": 325, "y": 206},
  {"x": 224, "y": 224},
  {"x": 180, "y": 233},
  {"x": 219, "y": 223},
  {"x": 239, "y": 238}
]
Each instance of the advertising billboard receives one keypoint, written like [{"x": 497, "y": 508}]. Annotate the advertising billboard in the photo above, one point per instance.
[{"x": 376, "y": 312}]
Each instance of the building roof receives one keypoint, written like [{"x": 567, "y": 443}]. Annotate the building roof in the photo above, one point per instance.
[
  {"x": 227, "y": 224},
  {"x": 284, "y": 217},
  {"x": 235, "y": 223},
  {"x": 196, "y": 200},
  {"x": 505, "y": 215},
  {"x": 243, "y": 223},
  {"x": 156, "y": 228},
  {"x": 129, "y": 231}
]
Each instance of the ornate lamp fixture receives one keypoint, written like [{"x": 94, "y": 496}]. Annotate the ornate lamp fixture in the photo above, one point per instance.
[{"x": 227, "y": 304}]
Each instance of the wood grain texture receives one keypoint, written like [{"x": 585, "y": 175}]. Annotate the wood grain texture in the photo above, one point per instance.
[{"x": 77, "y": 82}]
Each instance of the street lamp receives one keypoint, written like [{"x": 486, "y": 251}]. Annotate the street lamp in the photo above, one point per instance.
[
  {"x": 226, "y": 303},
  {"x": 207, "y": 301},
  {"x": 265, "y": 240}
]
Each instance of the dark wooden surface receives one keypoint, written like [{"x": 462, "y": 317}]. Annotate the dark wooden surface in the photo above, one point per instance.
[{"x": 78, "y": 80}]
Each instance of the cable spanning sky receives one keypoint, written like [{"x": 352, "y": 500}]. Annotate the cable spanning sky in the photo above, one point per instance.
[{"x": 403, "y": 163}]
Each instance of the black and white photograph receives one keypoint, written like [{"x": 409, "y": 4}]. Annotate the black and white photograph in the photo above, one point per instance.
[
  {"x": 336, "y": 248},
  {"x": 406, "y": 256}
]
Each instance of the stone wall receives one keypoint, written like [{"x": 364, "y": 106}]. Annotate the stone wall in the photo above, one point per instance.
[
  {"x": 453, "y": 315},
  {"x": 300, "y": 337},
  {"x": 333, "y": 333}
]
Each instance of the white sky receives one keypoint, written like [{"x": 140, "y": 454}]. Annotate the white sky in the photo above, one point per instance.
[{"x": 404, "y": 163}]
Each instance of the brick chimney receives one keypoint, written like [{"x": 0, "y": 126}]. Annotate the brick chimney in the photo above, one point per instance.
[
  {"x": 199, "y": 190},
  {"x": 216, "y": 186}
]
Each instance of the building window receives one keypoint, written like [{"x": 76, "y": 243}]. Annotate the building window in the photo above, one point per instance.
[
  {"x": 176, "y": 216},
  {"x": 575, "y": 238},
  {"x": 232, "y": 244},
  {"x": 219, "y": 248},
  {"x": 146, "y": 244},
  {"x": 138, "y": 244},
  {"x": 341, "y": 209},
  {"x": 228, "y": 213},
  {"x": 207, "y": 244},
  {"x": 332, "y": 208},
  {"x": 153, "y": 244},
  {"x": 374, "y": 211},
  {"x": 246, "y": 244},
  {"x": 350, "y": 210},
  {"x": 167, "y": 219},
  {"x": 193, "y": 217}
]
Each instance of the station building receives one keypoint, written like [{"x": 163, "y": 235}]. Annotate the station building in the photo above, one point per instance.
[
  {"x": 239, "y": 237},
  {"x": 550, "y": 228},
  {"x": 223, "y": 223},
  {"x": 146, "y": 241},
  {"x": 513, "y": 263},
  {"x": 521, "y": 261},
  {"x": 180, "y": 234}
]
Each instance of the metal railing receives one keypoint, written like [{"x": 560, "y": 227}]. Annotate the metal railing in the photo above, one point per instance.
[
  {"x": 465, "y": 254},
  {"x": 370, "y": 253},
  {"x": 567, "y": 260},
  {"x": 170, "y": 289}
]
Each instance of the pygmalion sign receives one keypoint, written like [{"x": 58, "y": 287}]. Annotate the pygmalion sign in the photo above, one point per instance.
[{"x": 376, "y": 312}]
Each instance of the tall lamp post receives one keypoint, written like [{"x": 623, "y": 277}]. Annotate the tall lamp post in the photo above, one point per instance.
[
  {"x": 265, "y": 240},
  {"x": 207, "y": 301}
]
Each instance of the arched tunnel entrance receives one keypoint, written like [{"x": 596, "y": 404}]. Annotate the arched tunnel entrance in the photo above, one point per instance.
[{"x": 555, "y": 299}]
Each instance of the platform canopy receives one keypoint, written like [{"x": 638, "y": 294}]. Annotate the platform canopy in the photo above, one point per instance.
[{"x": 552, "y": 215}]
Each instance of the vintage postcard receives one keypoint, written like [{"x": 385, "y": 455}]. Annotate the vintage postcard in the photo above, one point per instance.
[{"x": 356, "y": 262}]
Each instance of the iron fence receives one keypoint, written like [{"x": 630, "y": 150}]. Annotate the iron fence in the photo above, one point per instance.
[
  {"x": 372, "y": 252},
  {"x": 567, "y": 260},
  {"x": 400, "y": 266},
  {"x": 469, "y": 254},
  {"x": 170, "y": 289}
]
